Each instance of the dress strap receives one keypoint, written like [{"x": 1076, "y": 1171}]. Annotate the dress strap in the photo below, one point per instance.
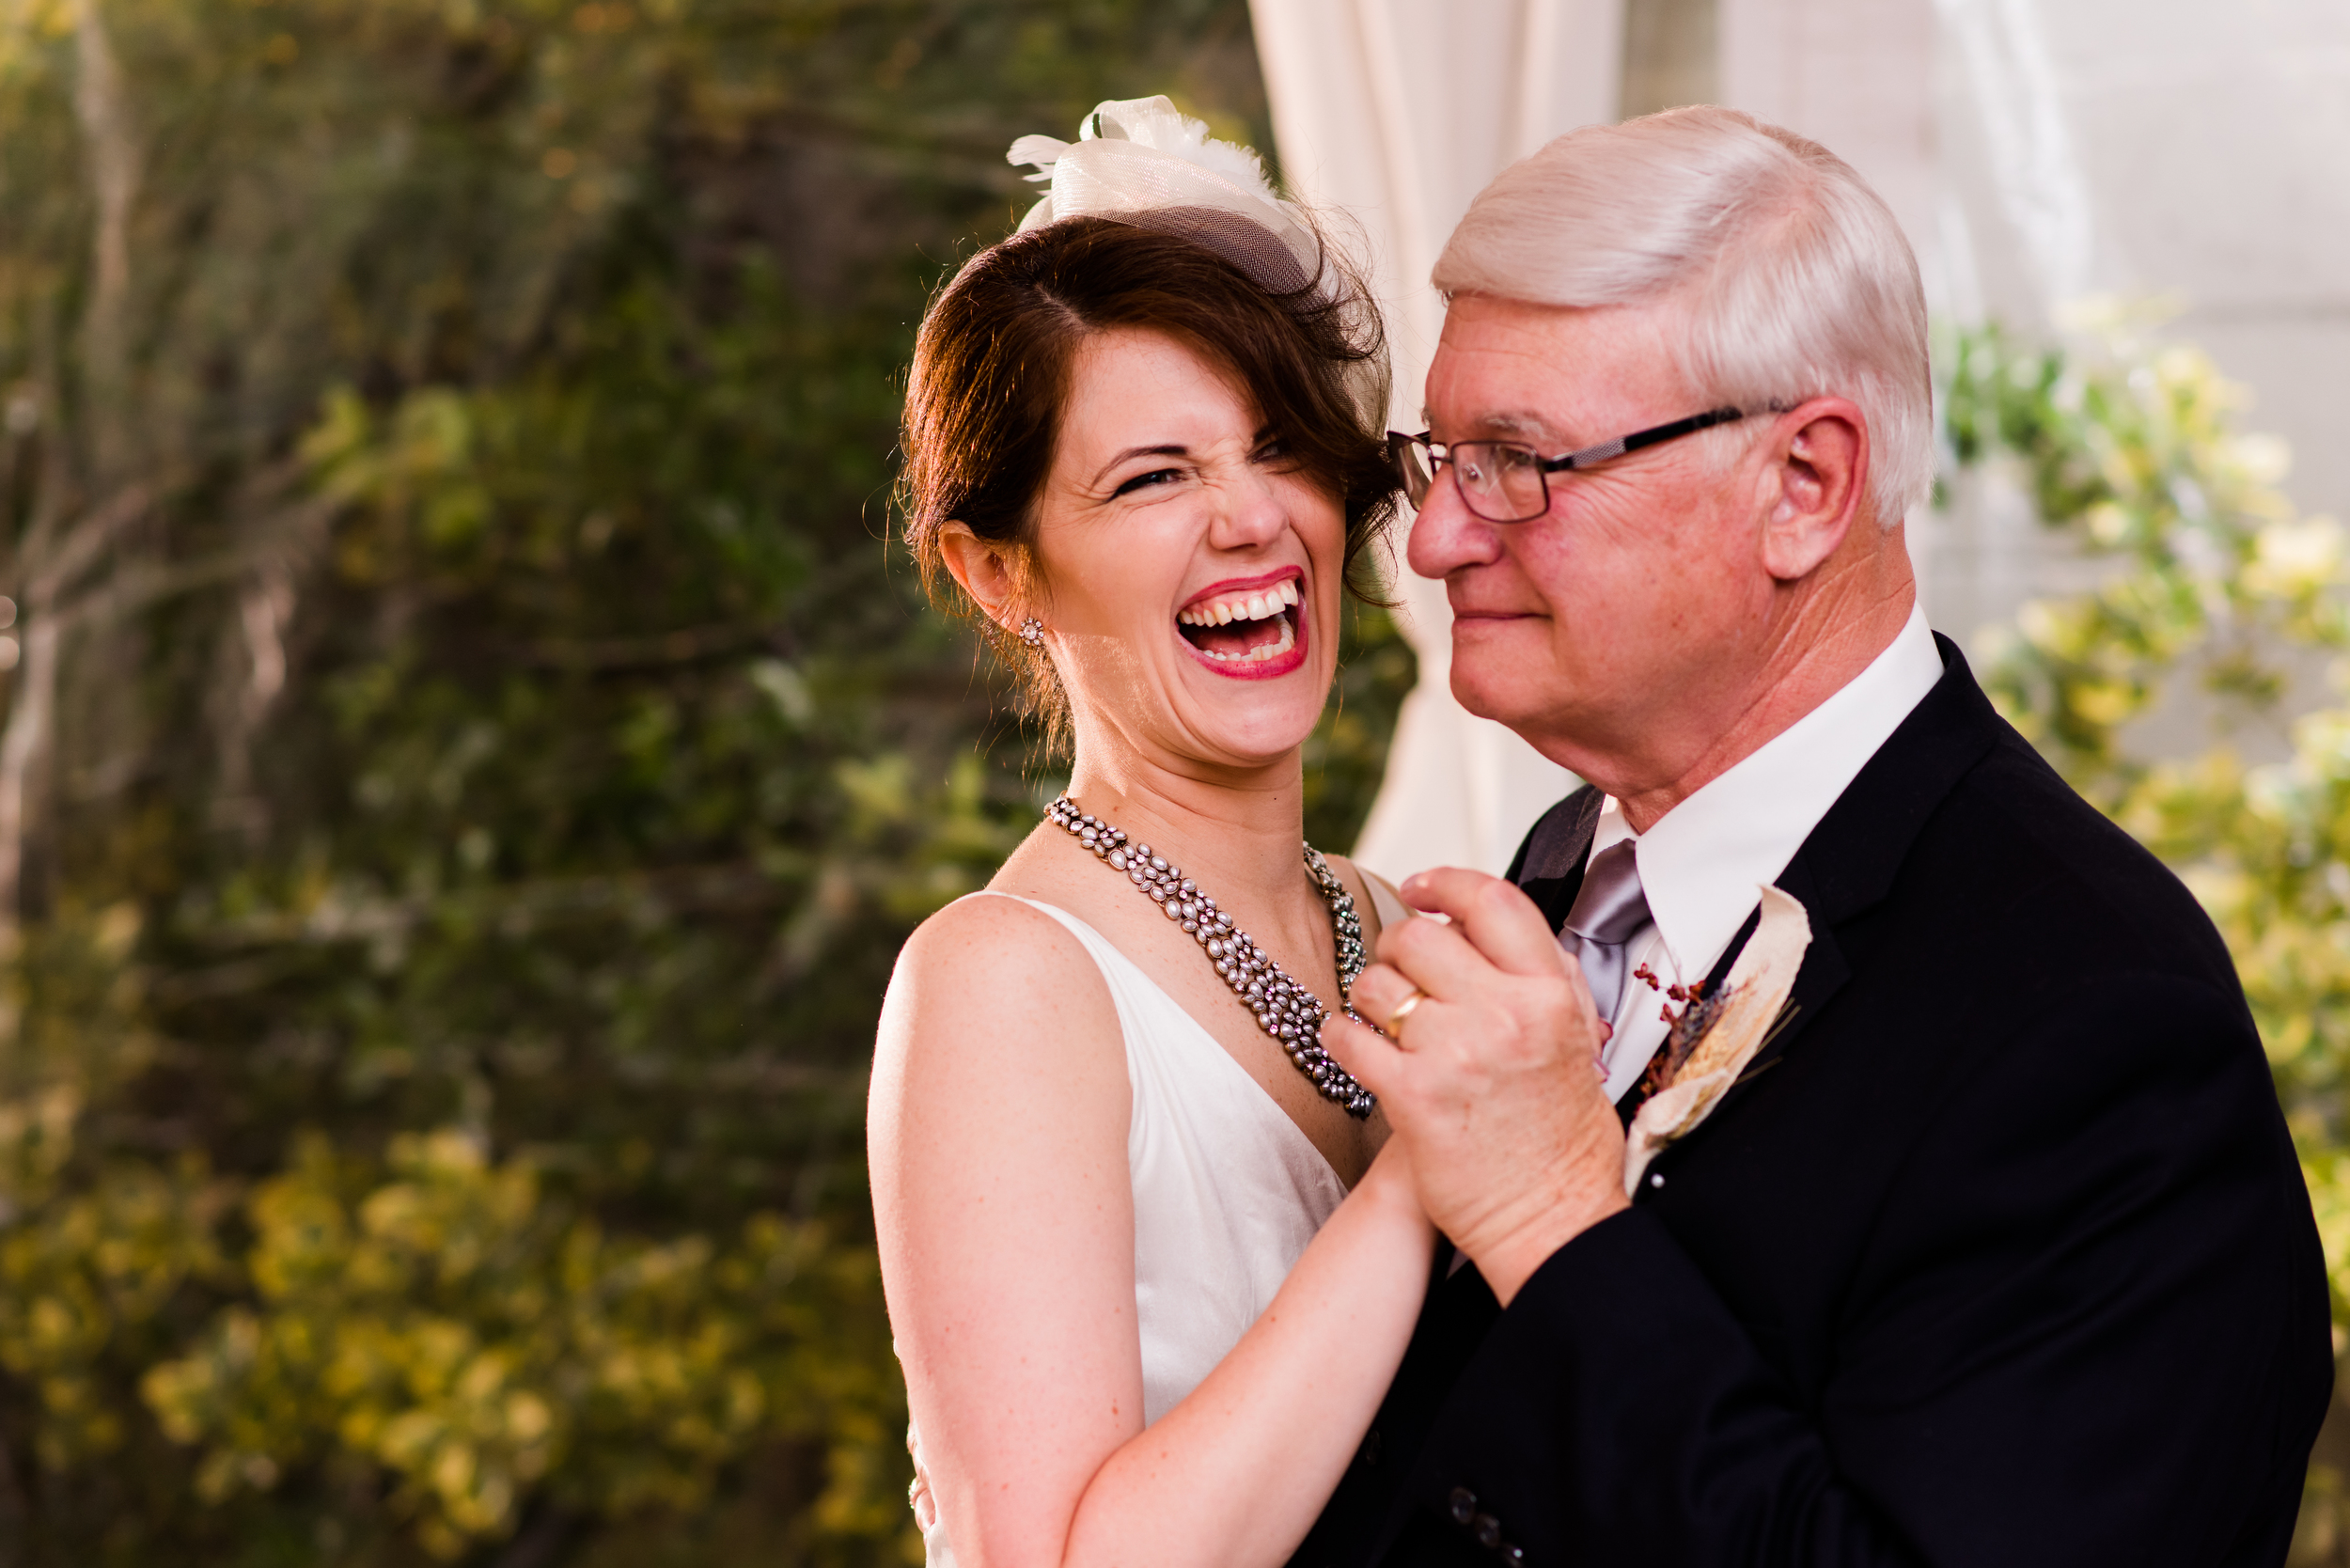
[{"x": 1384, "y": 900}]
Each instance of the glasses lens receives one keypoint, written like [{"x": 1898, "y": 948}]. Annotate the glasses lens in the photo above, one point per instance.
[
  {"x": 1411, "y": 466},
  {"x": 1501, "y": 483}
]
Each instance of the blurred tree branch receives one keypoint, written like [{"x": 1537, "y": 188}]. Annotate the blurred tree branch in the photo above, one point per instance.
[{"x": 100, "y": 102}]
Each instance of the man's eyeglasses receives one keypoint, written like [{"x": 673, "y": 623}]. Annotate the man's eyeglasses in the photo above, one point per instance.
[{"x": 1504, "y": 482}]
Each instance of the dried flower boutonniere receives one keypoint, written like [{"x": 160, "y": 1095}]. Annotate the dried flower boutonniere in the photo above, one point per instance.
[{"x": 1715, "y": 1036}]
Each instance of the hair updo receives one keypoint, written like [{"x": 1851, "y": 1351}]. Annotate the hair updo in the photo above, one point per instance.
[{"x": 991, "y": 379}]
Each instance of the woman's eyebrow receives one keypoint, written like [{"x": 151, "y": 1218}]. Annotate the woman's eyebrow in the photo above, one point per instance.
[
  {"x": 1133, "y": 452},
  {"x": 1264, "y": 433}
]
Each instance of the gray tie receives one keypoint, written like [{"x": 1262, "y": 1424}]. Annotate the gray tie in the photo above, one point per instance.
[{"x": 1609, "y": 910}]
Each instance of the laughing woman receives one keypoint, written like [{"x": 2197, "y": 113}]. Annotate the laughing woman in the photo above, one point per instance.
[{"x": 1148, "y": 1270}]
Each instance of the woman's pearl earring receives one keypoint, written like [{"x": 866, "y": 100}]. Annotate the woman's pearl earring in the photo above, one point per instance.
[{"x": 1032, "y": 631}]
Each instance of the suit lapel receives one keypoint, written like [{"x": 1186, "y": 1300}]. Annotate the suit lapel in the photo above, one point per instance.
[
  {"x": 1548, "y": 867},
  {"x": 1824, "y": 972},
  {"x": 1847, "y": 865}
]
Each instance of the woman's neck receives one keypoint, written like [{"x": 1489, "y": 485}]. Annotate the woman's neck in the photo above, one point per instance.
[{"x": 1237, "y": 837}]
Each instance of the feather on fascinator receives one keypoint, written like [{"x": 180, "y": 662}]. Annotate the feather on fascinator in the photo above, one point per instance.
[{"x": 1143, "y": 161}]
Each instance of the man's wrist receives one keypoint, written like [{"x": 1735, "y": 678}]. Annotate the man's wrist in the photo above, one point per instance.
[{"x": 1509, "y": 1260}]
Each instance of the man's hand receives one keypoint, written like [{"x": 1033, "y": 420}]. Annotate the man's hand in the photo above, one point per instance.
[{"x": 1491, "y": 1082}]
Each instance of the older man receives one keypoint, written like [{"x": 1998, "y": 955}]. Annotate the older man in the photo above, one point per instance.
[{"x": 1997, "y": 1254}]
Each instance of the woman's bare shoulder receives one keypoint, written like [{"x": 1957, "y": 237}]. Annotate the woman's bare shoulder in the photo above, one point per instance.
[
  {"x": 993, "y": 985},
  {"x": 994, "y": 921}
]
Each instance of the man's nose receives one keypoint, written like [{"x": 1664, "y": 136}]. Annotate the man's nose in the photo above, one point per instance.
[{"x": 1446, "y": 535}]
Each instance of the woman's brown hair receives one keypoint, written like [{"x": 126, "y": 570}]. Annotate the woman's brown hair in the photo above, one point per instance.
[{"x": 990, "y": 378}]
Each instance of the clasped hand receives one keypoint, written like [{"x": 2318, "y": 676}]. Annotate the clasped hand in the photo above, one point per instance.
[{"x": 1492, "y": 1083}]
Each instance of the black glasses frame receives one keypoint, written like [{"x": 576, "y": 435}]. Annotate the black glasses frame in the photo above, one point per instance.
[{"x": 1419, "y": 477}]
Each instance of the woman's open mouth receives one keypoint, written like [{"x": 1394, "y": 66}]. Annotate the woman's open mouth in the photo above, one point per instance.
[{"x": 1252, "y": 630}]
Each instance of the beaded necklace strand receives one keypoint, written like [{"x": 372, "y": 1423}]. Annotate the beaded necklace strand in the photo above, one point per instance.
[{"x": 1287, "y": 1011}]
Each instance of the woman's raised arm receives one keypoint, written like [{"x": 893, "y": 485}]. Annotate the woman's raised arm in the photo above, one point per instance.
[{"x": 998, "y": 1128}]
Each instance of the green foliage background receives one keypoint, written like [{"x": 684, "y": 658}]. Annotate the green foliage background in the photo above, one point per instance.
[
  {"x": 2216, "y": 593},
  {"x": 475, "y": 752}
]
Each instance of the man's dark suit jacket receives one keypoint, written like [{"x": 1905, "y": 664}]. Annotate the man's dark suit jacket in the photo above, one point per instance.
[{"x": 1998, "y": 1256}]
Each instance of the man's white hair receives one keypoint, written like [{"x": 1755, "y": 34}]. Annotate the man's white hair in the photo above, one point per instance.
[{"x": 1795, "y": 279}]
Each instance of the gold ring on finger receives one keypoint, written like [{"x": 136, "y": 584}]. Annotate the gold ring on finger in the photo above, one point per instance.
[{"x": 1402, "y": 1011}]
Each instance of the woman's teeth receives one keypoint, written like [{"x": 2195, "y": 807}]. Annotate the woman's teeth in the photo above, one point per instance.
[
  {"x": 1287, "y": 640},
  {"x": 1245, "y": 606}
]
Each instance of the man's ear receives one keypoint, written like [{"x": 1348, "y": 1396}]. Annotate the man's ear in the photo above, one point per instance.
[
  {"x": 1815, "y": 488},
  {"x": 984, "y": 571}
]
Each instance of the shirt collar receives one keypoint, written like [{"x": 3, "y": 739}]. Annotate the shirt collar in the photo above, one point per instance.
[{"x": 1704, "y": 864}]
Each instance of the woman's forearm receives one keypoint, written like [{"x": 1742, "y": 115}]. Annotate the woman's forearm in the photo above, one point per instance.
[{"x": 1237, "y": 1472}]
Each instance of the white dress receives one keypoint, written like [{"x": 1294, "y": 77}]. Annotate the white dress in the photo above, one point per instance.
[{"x": 1227, "y": 1191}]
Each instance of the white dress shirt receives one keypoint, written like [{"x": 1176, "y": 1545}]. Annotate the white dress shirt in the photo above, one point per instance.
[{"x": 1704, "y": 863}]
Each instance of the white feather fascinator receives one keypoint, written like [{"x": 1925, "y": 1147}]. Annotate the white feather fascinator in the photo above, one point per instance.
[{"x": 1142, "y": 161}]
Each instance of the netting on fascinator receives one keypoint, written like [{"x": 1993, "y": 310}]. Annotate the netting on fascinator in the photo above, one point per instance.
[{"x": 1142, "y": 161}]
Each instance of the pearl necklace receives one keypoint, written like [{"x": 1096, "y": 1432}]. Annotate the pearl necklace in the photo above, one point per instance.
[{"x": 1284, "y": 1009}]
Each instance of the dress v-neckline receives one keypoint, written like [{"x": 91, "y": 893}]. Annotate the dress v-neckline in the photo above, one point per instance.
[{"x": 1206, "y": 1038}]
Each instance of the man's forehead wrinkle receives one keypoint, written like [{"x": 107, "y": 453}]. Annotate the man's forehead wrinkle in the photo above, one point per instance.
[{"x": 1555, "y": 378}]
